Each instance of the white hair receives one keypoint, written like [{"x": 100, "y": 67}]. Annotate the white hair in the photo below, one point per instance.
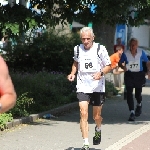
[
  {"x": 133, "y": 39},
  {"x": 87, "y": 29}
]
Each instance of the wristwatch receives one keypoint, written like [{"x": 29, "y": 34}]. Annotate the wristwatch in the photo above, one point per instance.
[{"x": 102, "y": 73}]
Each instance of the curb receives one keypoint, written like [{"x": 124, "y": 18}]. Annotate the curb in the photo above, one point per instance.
[{"x": 33, "y": 117}]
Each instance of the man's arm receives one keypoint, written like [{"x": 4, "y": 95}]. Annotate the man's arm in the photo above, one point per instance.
[
  {"x": 148, "y": 69},
  {"x": 123, "y": 61},
  {"x": 106, "y": 63},
  {"x": 145, "y": 59},
  {"x": 106, "y": 69},
  {"x": 71, "y": 76},
  {"x": 106, "y": 60},
  {"x": 74, "y": 68},
  {"x": 7, "y": 92}
]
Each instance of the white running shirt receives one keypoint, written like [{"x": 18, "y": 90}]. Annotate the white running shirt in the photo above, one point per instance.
[{"x": 88, "y": 64}]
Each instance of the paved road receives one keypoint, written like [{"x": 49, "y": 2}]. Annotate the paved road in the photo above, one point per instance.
[{"x": 64, "y": 133}]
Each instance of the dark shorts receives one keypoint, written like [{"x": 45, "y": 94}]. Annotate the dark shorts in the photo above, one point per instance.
[
  {"x": 134, "y": 79},
  {"x": 96, "y": 98}
]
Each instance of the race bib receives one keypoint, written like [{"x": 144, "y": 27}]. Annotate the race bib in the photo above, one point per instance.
[
  {"x": 88, "y": 64},
  {"x": 134, "y": 66}
]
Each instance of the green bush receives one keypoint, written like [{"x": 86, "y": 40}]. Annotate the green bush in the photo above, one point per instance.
[
  {"x": 48, "y": 90},
  {"x": 20, "y": 110},
  {"x": 109, "y": 86},
  {"x": 43, "y": 90},
  {"x": 51, "y": 52},
  {"x": 22, "y": 104},
  {"x": 4, "y": 119}
]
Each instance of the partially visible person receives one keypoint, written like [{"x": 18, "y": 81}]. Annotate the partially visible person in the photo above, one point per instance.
[
  {"x": 116, "y": 66},
  {"x": 7, "y": 91},
  {"x": 91, "y": 62},
  {"x": 134, "y": 76},
  {"x": 118, "y": 43}
]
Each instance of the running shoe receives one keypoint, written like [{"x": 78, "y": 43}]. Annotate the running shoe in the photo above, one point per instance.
[
  {"x": 132, "y": 117},
  {"x": 138, "y": 110},
  {"x": 97, "y": 137},
  {"x": 85, "y": 147}
]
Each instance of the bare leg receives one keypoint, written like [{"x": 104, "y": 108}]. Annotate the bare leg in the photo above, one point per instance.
[
  {"x": 97, "y": 115},
  {"x": 98, "y": 120},
  {"x": 84, "y": 118}
]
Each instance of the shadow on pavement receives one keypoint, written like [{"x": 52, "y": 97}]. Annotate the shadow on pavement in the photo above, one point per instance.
[
  {"x": 116, "y": 111},
  {"x": 44, "y": 122},
  {"x": 72, "y": 148}
]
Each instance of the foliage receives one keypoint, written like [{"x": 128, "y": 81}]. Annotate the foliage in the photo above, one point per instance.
[
  {"x": 110, "y": 88},
  {"x": 48, "y": 90},
  {"x": 4, "y": 119},
  {"x": 18, "y": 19},
  {"x": 49, "y": 52},
  {"x": 106, "y": 11},
  {"x": 20, "y": 110},
  {"x": 22, "y": 104}
]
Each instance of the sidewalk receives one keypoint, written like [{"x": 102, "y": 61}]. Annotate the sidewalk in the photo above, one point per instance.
[
  {"x": 138, "y": 139},
  {"x": 64, "y": 133},
  {"x": 141, "y": 142}
]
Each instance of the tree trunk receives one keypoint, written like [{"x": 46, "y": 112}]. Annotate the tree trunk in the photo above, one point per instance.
[
  {"x": 105, "y": 35},
  {"x": 11, "y": 2},
  {"x": 23, "y": 2}
]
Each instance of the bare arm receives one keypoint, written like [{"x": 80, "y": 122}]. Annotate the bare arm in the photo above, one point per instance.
[
  {"x": 98, "y": 75},
  {"x": 106, "y": 69},
  {"x": 7, "y": 92},
  {"x": 74, "y": 68},
  {"x": 148, "y": 69},
  {"x": 71, "y": 76}
]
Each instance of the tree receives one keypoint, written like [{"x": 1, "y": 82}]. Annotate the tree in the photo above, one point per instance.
[
  {"x": 132, "y": 12},
  {"x": 107, "y": 14},
  {"x": 17, "y": 18}
]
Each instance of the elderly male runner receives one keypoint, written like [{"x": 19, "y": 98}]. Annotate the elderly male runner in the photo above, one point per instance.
[
  {"x": 134, "y": 76},
  {"x": 92, "y": 62}
]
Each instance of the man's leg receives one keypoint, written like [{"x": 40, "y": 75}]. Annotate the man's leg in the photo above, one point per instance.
[
  {"x": 130, "y": 103},
  {"x": 130, "y": 100},
  {"x": 83, "y": 104},
  {"x": 84, "y": 118},
  {"x": 138, "y": 96},
  {"x": 98, "y": 119},
  {"x": 98, "y": 99},
  {"x": 97, "y": 115}
]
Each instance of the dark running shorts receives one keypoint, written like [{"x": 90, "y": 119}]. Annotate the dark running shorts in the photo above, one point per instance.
[
  {"x": 96, "y": 98},
  {"x": 134, "y": 79}
]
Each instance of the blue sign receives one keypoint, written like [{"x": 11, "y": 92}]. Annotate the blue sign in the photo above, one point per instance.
[
  {"x": 93, "y": 7},
  {"x": 121, "y": 33}
]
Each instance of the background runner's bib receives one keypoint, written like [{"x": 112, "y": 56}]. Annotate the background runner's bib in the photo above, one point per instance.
[
  {"x": 133, "y": 66},
  {"x": 88, "y": 64}
]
